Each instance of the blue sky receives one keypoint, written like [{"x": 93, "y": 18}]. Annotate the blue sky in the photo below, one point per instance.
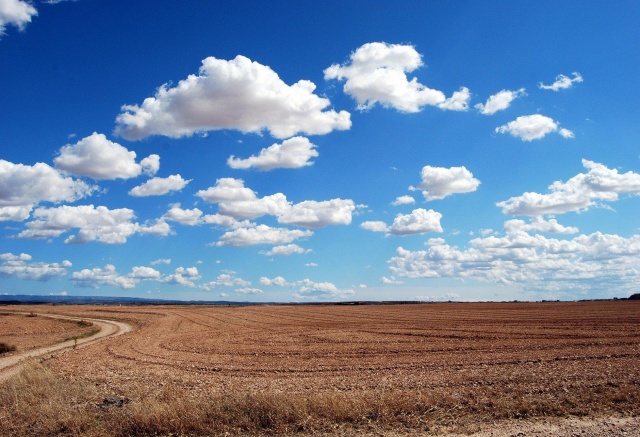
[{"x": 287, "y": 151}]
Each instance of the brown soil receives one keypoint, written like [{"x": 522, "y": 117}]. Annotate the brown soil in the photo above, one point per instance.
[
  {"x": 26, "y": 331},
  {"x": 397, "y": 369}
]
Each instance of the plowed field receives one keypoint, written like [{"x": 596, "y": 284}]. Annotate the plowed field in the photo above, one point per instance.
[{"x": 393, "y": 367}]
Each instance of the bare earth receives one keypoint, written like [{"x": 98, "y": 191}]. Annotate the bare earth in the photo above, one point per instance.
[{"x": 534, "y": 369}]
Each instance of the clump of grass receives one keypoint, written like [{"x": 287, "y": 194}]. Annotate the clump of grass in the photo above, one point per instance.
[
  {"x": 84, "y": 323},
  {"x": 5, "y": 347}
]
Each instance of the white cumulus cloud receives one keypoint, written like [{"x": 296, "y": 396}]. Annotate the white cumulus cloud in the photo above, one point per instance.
[
  {"x": 109, "y": 226},
  {"x": 532, "y": 127},
  {"x": 295, "y": 152},
  {"x": 237, "y": 94},
  {"x": 22, "y": 187},
  {"x": 93, "y": 278},
  {"x": 313, "y": 214},
  {"x": 440, "y": 182},
  {"x": 17, "y": 13},
  {"x": 598, "y": 184},
  {"x": 182, "y": 276},
  {"x": 286, "y": 250},
  {"x": 98, "y": 158},
  {"x": 377, "y": 73},
  {"x": 419, "y": 221},
  {"x": 403, "y": 200},
  {"x": 159, "y": 186},
  {"x": 22, "y": 267},
  {"x": 261, "y": 234},
  {"x": 595, "y": 262}
]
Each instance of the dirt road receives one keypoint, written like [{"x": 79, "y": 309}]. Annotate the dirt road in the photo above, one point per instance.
[{"x": 107, "y": 329}]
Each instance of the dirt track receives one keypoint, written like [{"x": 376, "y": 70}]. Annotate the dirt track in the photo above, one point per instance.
[{"x": 107, "y": 328}]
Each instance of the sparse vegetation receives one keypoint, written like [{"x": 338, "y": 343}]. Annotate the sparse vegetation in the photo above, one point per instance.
[{"x": 4, "y": 348}]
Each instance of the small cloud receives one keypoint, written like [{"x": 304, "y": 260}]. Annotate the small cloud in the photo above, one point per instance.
[
  {"x": 403, "y": 200},
  {"x": 532, "y": 127},
  {"x": 562, "y": 82}
]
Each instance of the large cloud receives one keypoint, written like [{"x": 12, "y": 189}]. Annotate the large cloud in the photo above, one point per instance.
[
  {"x": 16, "y": 13},
  {"x": 312, "y": 214},
  {"x": 295, "y": 152},
  {"x": 562, "y": 82},
  {"x": 236, "y": 200},
  {"x": 377, "y": 74},
  {"x": 499, "y": 101},
  {"x": 22, "y": 187},
  {"x": 21, "y": 267},
  {"x": 93, "y": 278},
  {"x": 110, "y": 226},
  {"x": 596, "y": 262},
  {"x": 599, "y": 184},
  {"x": 420, "y": 221},
  {"x": 440, "y": 182},
  {"x": 98, "y": 158},
  {"x": 237, "y": 94},
  {"x": 533, "y": 127}
]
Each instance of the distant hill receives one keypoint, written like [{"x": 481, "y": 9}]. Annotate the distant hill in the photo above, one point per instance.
[{"x": 99, "y": 300}]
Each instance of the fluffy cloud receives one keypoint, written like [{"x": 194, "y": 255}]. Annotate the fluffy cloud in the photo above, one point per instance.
[
  {"x": 22, "y": 187},
  {"x": 538, "y": 224},
  {"x": 225, "y": 280},
  {"x": 278, "y": 280},
  {"x": 596, "y": 262},
  {"x": 94, "y": 223},
  {"x": 21, "y": 267},
  {"x": 108, "y": 276},
  {"x": 144, "y": 273},
  {"x": 261, "y": 234},
  {"x": 295, "y": 152},
  {"x": 308, "y": 289},
  {"x": 286, "y": 250},
  {"x": 599, "y": 184},
  {"x": 237, "y": 94},
  {"x": 440, "y": 182},
  {"x": 562, "y": 82},
  {"x": 420, "y": 221},
  {"x": 159, "y": 186},
  {"x": 377, "y": 74},
  {"x": 188, "y": 217},
  {"x": 236, "y": 200},
  {"x": 184, "y": 277},
  {"x": 532, "y": 127},
  {"x": 499, "y": 101},
  {"x": 16, "y": 13},
  {"x": 312, "y": 214},
  {"x": 403, "y": 200},
  {"x": 98, "y": 158},
  {"x": 374, "y": 226}
]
